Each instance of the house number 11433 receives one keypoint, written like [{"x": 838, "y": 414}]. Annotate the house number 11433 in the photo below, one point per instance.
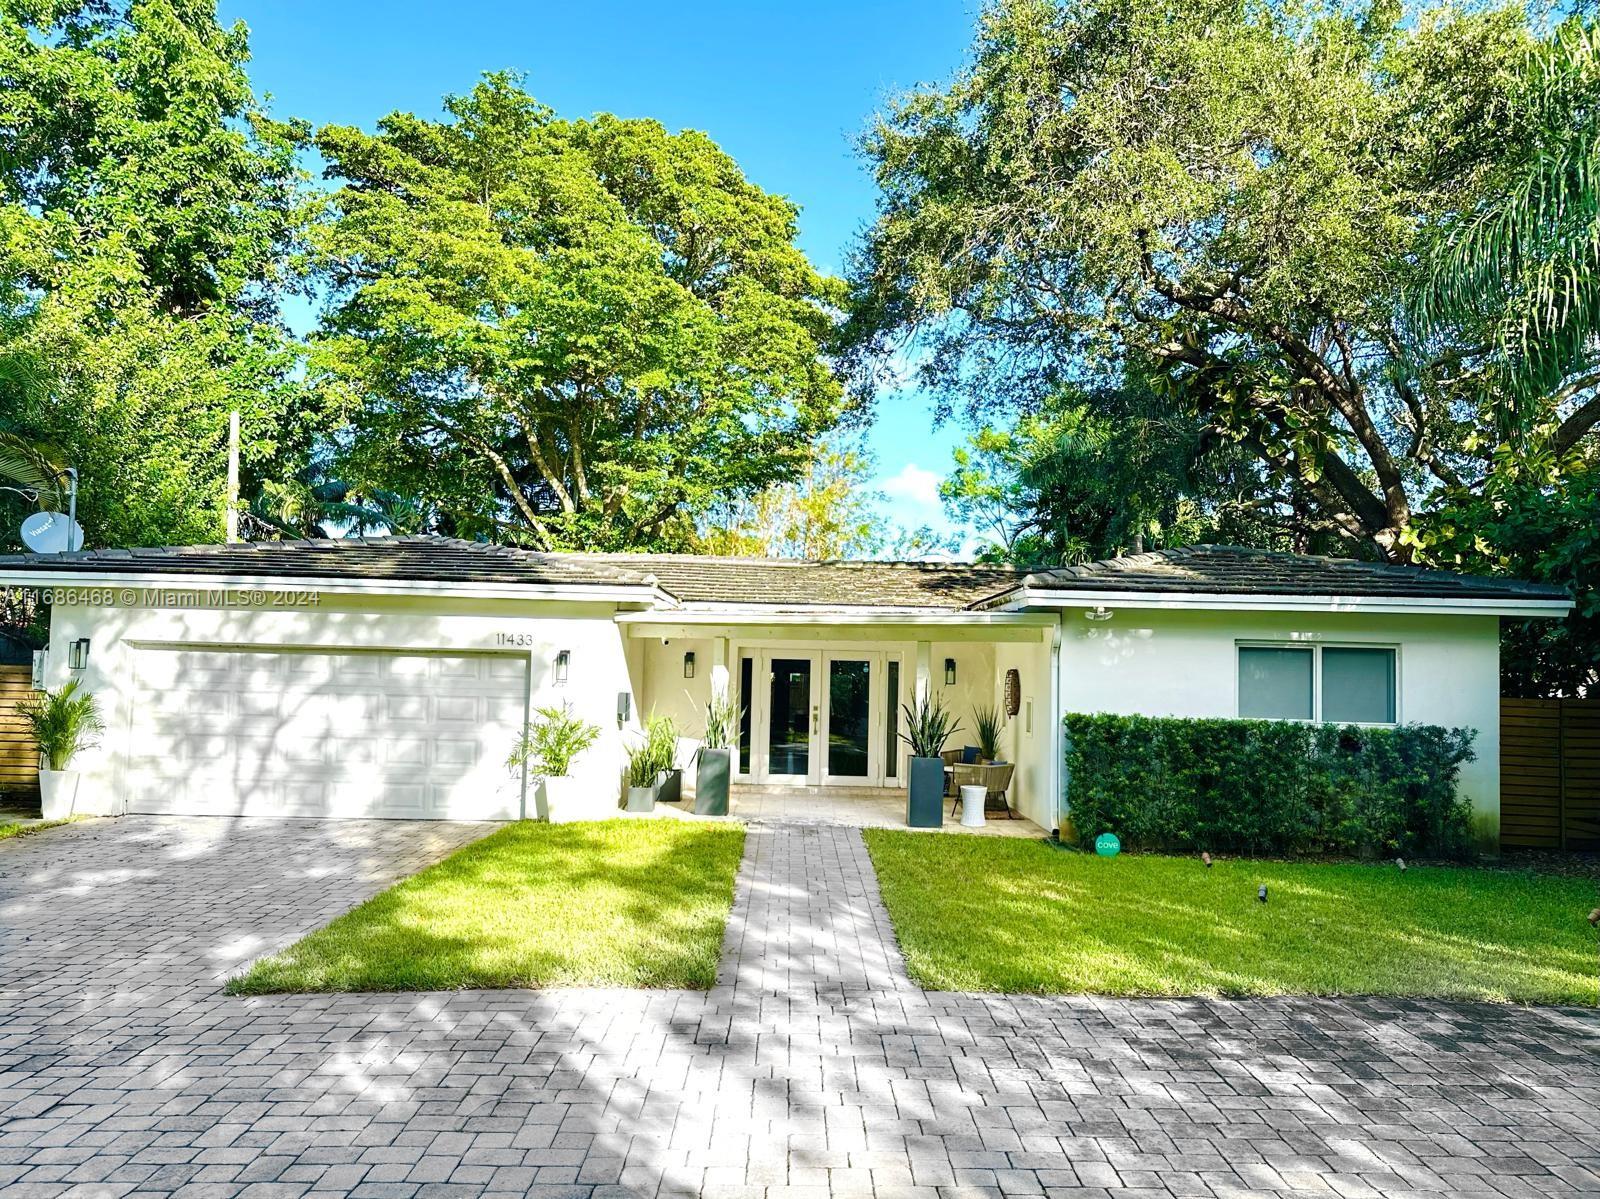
[{"x": 525, "y": 640}]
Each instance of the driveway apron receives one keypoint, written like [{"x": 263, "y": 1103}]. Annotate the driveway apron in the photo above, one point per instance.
[{"x": 814, "y": 1067}]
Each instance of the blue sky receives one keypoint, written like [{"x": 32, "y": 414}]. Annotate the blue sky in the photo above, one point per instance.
[{"x": 783, "y": 87}]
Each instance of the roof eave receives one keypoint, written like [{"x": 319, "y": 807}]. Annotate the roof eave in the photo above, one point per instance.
[
  {"x": 1040, "y": 598},
  {"x": 828, "y": 615},
  {"x": 132, "y": 583}
]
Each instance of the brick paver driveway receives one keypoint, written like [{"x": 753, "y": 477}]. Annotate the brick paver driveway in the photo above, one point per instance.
[{"x": 814, "y": 1067}]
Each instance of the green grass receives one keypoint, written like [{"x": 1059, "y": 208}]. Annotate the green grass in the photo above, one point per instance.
[
  {"x": 636, "y": 903},
  {"x": 982, "y": 914},
  {"x": 17, "y": 829}
]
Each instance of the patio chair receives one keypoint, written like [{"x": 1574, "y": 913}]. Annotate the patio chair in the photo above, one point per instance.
[
  {"x": 950, "y": 757},
  {"x": 995, "y": 779}
]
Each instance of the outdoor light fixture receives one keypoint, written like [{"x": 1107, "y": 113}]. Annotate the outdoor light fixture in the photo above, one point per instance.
[
  {"x": 624, "y": 707},
  {"x": 78, "y": 654},
  {"x": 1098, "y": 613},
  {"x": 562, "y": 661},
  {"x": 949, "y": 672},
  {"x": 688, "y": 665}
]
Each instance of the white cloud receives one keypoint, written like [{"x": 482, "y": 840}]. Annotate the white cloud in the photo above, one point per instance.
[{"x": 915, "y": 485}]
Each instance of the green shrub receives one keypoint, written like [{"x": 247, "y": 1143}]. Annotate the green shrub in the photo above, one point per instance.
[
  {"x": 553, "y": 738},
  {"x": 62, "y": 722},
  {"x": 1265, "y": 786}
]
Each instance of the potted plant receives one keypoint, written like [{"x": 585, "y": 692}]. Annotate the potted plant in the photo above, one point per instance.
[
  {"x": 641, "y": 778},
  {"x": 650, "y": 761},
  {"x": 988, "y": 724},
  {"x": 716, "y": 758},
  {"x": 662, "y": 732},
  {"x": 551, "y": 742},
  {"x": 928, "y": 727},
  {"x": 61, "y": 723}
]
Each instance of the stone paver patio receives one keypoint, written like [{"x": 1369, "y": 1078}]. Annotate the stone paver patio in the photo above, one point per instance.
[{"x": 814, "y": 1067}]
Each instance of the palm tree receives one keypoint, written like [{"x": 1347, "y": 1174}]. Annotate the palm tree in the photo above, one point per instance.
[
  {"x": 1526, "y": 264},
  {"x": 316, "y": 502}
]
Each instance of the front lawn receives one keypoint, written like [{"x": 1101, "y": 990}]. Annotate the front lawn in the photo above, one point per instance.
[
  {"x": 628, "y": 903},
  {"x": 996, "y": 914}
]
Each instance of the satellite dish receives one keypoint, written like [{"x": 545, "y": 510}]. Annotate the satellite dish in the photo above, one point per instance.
[{"x": 51, "y": 533}]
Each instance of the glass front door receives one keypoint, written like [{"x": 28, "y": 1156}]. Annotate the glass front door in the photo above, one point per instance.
[
  {"x": 791, "y": 718},
  {"x": 818, "y": 717},
  {"x": 849, "y": 742}
]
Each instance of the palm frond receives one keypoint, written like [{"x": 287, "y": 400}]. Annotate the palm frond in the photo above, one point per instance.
[
  {"x": 32, "y": 464},
  {"x": 1526, "y": 265}
]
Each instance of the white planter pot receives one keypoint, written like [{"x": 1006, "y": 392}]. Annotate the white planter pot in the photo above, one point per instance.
[
  {"x": 58, "y": 793},
  {"x": 972, "y": 801},
  {"x": 641, "y": 799},
  {"x": 564, "y": 800}
]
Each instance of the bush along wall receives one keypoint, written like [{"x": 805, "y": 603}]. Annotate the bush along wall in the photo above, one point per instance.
[{"x": 1268, "y": 787}]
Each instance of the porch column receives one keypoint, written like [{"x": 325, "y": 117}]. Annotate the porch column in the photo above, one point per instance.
[
  {"x": 924, "y": 669},
  {"x": 719, "y": 668}
]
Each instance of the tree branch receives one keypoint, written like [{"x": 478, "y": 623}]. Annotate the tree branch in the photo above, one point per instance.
[{"x": 1572, "y": 430}]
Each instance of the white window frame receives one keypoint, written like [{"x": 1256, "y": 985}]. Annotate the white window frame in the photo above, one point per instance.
[{"x": 1316, "y": 648}]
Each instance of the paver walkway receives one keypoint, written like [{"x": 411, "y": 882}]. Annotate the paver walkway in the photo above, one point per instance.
[{"x": 814, "y": 1067}]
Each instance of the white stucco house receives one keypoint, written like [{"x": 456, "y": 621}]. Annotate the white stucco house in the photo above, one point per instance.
[{"x": 389, "y": 677}]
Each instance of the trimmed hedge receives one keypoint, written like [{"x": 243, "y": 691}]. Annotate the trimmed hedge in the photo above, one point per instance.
[{"x": 1267, "y": 786}]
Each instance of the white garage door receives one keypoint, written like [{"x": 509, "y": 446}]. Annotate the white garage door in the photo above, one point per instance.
[{"x": 278, "y": 733}]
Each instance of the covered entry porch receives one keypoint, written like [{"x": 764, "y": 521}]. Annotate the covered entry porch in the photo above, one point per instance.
[
  {"x": 821, "y": 700},
  {"x": 856, "y": 808}
]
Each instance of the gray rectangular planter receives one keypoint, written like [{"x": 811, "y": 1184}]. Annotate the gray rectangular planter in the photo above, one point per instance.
[
  {"x": 925, "y": 793},
  {"x": 711, "y": 782}
]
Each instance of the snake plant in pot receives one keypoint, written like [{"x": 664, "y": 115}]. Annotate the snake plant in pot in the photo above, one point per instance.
[
  {"x": 928, "y": 726},
  {"x": 61, "y": 723},
  {"x": 988, "y": 724},
  {"x": 551, "y": 743},
  {"x": 650, "y": 762},
  {"x": 716, "y": 758}
]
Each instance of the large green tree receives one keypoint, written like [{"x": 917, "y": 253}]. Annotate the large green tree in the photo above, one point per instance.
[
  {"x": 830, "y": 511},
  {"x": 1233, "y": 198},
  {"x": 146, "y": 206},
  {"x": 1093, "y": 475},
  {"x": 567, "y": 333}
]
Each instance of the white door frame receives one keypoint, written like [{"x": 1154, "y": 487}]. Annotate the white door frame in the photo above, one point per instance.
[
  {"x": 761, "y": 724},
  {"x": 875, "y": 721},
  {"x": 821, "y": 656}
]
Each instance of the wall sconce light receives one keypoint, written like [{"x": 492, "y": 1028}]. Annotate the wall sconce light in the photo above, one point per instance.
[
  {"x": 78, "y": 654},
  {"x": 563, "y": 659},
  {"x": 949, "y": 672},
  {"x": 688, "y": 665}
]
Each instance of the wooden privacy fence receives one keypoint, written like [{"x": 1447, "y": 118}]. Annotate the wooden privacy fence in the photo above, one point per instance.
[
  {"x": 1550, "y": 773},
  {"x": 19, "y": 759}
]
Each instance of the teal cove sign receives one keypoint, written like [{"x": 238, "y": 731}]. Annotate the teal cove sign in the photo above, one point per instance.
[{"x": 1107, "y": 845}]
